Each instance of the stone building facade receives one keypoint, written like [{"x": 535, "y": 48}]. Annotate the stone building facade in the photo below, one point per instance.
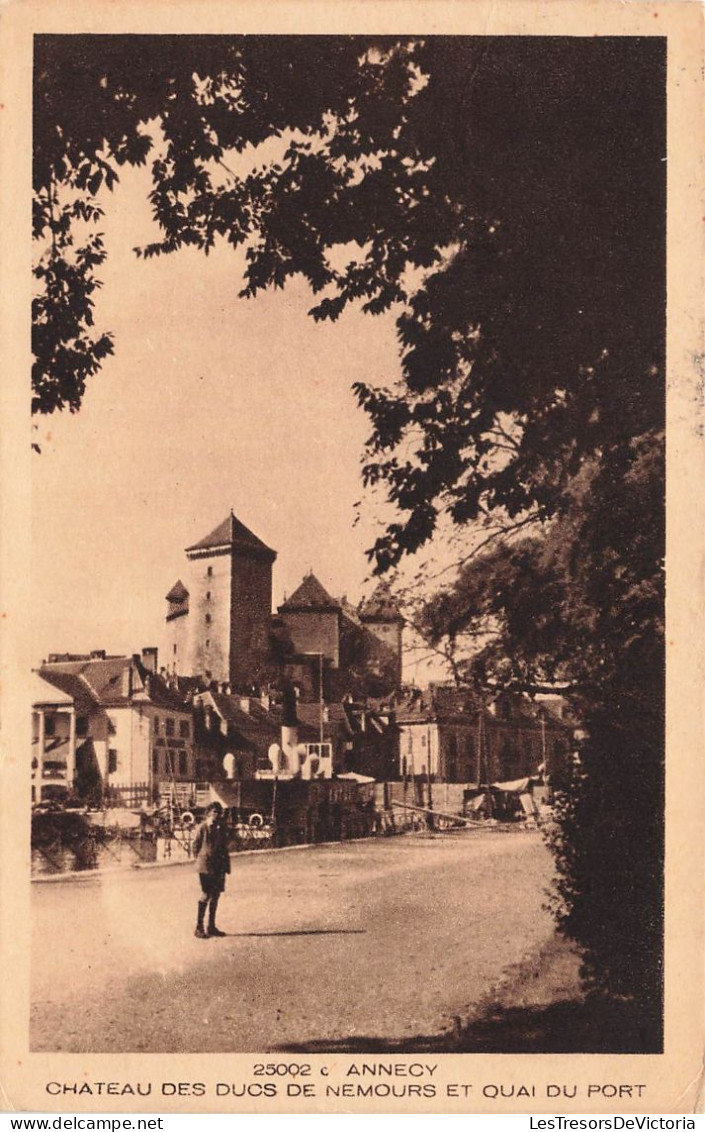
[
  {"x": 218, "y": 622},
  {"x": 221, "y": 631}
]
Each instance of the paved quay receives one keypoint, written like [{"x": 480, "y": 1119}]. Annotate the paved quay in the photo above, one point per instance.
[{"x": 383, "y": 940}]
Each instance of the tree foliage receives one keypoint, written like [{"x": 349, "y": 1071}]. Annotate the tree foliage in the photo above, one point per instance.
[
  {"x": 579, "y": 605},
  {"x": 505, "y": 199}
]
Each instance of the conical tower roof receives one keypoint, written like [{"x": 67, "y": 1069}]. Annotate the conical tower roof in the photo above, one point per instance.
[
  {"x": 228, "y": 534},
  {"x": 310, "y": 595},
  {"x": 380, "y": 606},
  {"x": 178, "y": 592}
]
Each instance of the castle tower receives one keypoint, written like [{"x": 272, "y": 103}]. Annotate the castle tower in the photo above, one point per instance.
[
  {"x": 177, "y": 650},
  {"x": 380, "y": 614},
  {"x": 312, "y": 618},
  {"x": 228, "y": 606}
]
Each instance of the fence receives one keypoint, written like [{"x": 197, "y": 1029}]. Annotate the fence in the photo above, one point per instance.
[{"x": 134, "y": 795}]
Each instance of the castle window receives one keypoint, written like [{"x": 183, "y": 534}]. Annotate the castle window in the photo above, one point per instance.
[
  {"x": 208, "y": 618},
  {"x": 209, "y": 572},
  {"x": 208, "y": 642},
  {"x": 208, "y": 595},
  {"x": 208, "y": 674}
]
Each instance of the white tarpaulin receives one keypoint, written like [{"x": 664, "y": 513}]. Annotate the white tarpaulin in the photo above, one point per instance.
[
  {"x": 475, "y": 804},
  {"x": 516, "y": 786}
]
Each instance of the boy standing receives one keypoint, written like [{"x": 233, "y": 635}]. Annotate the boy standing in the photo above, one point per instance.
[{"x": 210, "y": 848}]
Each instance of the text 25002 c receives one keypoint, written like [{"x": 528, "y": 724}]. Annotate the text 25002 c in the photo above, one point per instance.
[{"x": 282, "y": 1069}]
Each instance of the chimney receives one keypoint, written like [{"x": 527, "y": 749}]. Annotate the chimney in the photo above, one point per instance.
[
  {"x": 127, "y": 681},
  {"x": 149, "y": 660},
  {"x": 289, "y": 698},
  {"x": 290, "y": 726}
]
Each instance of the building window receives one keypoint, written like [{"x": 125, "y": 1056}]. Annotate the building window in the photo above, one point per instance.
[
  {"x": 112, "y": 761},
  {"x": 156, "y": 725},
  {"x": 183, "y": 765},
  {"x": 169, "y": 726},
  {"x": 208, "y": 674},
  {"x": 208, "y": 642},
  {"x": 49, "y": 725},
  {"x": 208, "y": 618},
  {"x": 184, "y": 728},
  {"x": 155, "y": 762},
  {"x": 319, "y": 750},
  {"x": 81, "y": 725},
  {"x": 208, "y": 595},
  {"x": 174, "y": 648},
  {"x": 209, "y": 572}
]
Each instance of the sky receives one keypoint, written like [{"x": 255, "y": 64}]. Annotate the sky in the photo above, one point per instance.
[{"x": 210, "y": 402}]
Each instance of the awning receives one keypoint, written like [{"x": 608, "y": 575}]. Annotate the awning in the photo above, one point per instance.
[{"x": 516, "y": 786}]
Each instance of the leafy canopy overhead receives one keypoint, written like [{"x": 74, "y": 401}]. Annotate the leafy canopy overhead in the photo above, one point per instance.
[{"x": 503, "y": 196}]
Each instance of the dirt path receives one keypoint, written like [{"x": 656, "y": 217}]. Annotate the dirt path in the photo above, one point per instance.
[{"x": 381, "y": 943}]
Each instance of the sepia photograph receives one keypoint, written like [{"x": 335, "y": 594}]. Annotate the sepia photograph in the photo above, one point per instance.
[{"x": 346, "y": 645}]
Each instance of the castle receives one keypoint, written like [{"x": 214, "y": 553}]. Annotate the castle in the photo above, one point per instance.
[{"x": 222, "y": 632}]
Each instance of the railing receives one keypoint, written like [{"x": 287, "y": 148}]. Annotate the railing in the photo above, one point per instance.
[{"x": 132, "y": 796}]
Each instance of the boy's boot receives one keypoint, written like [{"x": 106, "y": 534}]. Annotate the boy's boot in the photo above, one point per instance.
[
  {"x": 212, "y": 929},
  {"x": 200, "y": 931}
]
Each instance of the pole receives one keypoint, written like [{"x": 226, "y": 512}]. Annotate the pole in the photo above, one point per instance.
[
  {"x": 320, "y": 701},
  {"x": 544, "y": 752},
  {"x": 430, "y": 799},
  {"x": 483, "y": 742}
]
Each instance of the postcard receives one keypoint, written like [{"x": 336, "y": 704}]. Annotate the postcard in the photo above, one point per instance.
[{"x": 352, "y": 659}]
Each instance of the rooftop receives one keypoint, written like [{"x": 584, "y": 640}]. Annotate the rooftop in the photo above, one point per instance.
[
  {"x": 310, "y": 595},
  {"x": 232, "y": 533},
  {"x": 380, "y": 606}
]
